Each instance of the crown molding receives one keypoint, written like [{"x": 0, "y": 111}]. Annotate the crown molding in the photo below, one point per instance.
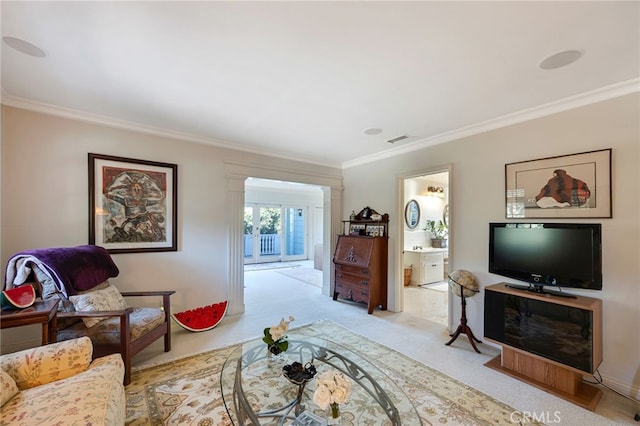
[
  {"x": 103, "y": 120},
  {"x": 264, "y": 171},
  {"x": 602, "y": 94},
  {"x": 572, "y": 102}
]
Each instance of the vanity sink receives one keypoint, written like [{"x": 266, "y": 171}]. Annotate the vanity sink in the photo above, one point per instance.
[{"x": 426, "y": 250}]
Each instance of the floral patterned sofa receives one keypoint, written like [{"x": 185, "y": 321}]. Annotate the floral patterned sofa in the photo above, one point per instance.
[{"x": 58, "y": 384}]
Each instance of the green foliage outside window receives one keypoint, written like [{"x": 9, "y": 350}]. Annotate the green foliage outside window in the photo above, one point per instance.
[
  {"x": 248, "y": 226},
  {"x": 269, "y": 221}
]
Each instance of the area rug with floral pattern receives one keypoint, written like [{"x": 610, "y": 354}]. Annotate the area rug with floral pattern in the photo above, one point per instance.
[{"x": 187, "y": 391}]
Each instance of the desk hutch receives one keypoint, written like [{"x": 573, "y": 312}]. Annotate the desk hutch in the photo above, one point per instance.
[{"x": 360, "y": 259}]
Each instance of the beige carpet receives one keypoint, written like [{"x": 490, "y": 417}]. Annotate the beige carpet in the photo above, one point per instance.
[
  {"x": 306, "y": 274},
  {"x": 267, "y": 266},
  {"x": 187, "y": 391}
]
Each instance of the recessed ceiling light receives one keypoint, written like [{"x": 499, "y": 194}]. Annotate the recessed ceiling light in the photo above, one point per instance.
[
  {"x": 372, "y": 131},
  {"x": 24, "y": 47},
  {"x": 560, "y": 59}
]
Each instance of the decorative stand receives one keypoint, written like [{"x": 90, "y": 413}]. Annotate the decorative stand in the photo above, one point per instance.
[
  {"x": 299, "y": 375},
  {"x": 463, "y": 328}
]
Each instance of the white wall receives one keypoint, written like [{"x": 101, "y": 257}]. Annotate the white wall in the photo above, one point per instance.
[
  {"x": 45, "y": 203},
  {"x": 477, "y": 198}
]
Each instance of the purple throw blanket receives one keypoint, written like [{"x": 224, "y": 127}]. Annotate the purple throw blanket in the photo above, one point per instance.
[{"x": 76, "y": 268}]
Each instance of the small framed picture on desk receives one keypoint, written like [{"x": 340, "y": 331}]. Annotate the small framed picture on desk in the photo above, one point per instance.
[
  {"x": 357, "y": 229},
  {"x": 375, "y": 231}
]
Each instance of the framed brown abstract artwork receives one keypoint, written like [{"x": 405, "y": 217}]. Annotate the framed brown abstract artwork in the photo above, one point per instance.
[
  {"x": 568, "y": 186},
  {"x": 132, "y": 204}
]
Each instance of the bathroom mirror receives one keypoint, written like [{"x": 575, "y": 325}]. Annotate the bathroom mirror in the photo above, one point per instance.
[
  {"x": 445, "y": 215},
  {"x": 412, "y": 214}
]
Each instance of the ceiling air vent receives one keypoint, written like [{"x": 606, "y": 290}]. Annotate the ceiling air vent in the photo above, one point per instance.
[{"x": 398, "y": 139}]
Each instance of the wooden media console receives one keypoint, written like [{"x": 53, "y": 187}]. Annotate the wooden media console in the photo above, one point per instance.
[{"x": 547, "y": 341}]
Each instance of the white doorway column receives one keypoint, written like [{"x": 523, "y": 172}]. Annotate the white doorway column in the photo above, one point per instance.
[
  {"x": 236, "y": 243},
  {"x": 237, "y": 172},
  {"x": 332, "y": 209}
]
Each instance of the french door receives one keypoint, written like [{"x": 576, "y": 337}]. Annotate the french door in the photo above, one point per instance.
[
  {"x": 294, "y": 230},
  {"x": 274, "y": 233}
]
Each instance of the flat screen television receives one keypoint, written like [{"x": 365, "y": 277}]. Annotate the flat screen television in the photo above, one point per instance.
[{"x": 547, "y": 254}]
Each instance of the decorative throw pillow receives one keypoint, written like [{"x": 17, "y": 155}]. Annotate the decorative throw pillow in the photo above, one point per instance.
[
  {"x": 8, "y": 387},
  {"x": 106, "y": 299}
]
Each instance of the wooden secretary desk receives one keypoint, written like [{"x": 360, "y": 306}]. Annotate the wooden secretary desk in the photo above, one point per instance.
[{"x": 361, "y": 259}]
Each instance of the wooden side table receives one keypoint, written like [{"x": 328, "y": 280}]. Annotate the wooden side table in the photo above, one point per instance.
[{"x": 43, "y": 312}]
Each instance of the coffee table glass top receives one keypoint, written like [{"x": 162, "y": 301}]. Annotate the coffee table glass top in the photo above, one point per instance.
[{"x": 255, "y": 392}]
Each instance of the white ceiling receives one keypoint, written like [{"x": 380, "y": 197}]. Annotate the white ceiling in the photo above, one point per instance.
[{"x": 302, "y": 80}]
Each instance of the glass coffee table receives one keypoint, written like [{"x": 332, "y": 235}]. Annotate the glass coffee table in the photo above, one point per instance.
[{"x": 255, "y": 391}]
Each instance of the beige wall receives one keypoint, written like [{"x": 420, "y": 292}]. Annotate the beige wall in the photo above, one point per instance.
[
  {"x": 45, "y": 202},
  {"x": 477, "y": 198}
]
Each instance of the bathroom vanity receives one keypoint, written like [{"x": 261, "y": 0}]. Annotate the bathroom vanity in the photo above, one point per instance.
[{"x": 429, "y": 264}]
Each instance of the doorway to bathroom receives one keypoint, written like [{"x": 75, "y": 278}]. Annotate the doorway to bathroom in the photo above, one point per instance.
[{"x": 426, "y": 245}]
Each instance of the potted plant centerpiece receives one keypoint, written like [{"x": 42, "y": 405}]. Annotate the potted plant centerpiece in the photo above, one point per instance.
[{"x": 438, "y": 232}]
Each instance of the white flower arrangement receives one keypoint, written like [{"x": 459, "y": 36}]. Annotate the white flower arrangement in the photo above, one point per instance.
[
  {"x": 332, "y": 387},
  {"x": 275, "y": 337}
]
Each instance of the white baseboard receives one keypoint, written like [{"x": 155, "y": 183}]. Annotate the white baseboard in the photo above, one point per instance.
[{"x": 630, "y": 390}]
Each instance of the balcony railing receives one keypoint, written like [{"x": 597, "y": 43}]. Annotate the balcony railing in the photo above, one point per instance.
[{"x": 269, "y": 245}]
